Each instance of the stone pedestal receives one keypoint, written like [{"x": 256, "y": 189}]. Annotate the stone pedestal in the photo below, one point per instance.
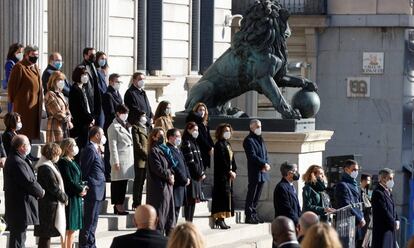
[{"x": 302, "y": 148}]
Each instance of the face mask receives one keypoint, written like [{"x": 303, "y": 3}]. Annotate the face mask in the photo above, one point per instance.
[
  {"x": 320, "y": 184},
  {"x": 117, "y": 86},
  {"x": 296, "y": 176},
  {"x": 84, "y": 79},
  {"x": 19, "y": 126},
  {"x": 29, "y": 149},
  {"x": 160, "y": 140},
  {"x": 102, "y": 62},
  {"x": 91, "y": 58},
  {"x": 194, "y": 134},
  {"x": 177, "y": 142},
  {"x": 390, "y": 184},
  {"x": 167, "y": 111},
  {"x": 60, "y": 84},
  {"x": 141, "y": 83},
  {"x": 57, "y": 64},
  {"x": 200, "y": 113},
  {"x": 143, "y": 120},
  {"x": 123, "y": 117},
  {"x": 103, "y": 140},
  {"x": 258, "y": 131},
  {"x": 354, "y": 174},
  {"x": 75, "y": 150},
  {"x": 19, "y": 56},
  {"x": 33, "y": 59},
  {"x": 226, "y": 135}
]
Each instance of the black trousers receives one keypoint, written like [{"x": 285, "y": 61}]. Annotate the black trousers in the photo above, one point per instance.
[
  {"x": 140, "y": 176},
  {"x": 106, "y": 161},
  {"x": 17, "y": 237},
  {"x": 118, "y": 191},
  {"x": 189, "y": 212},
  {"x": 177, "y": 213},
  {"x": 254, "y": 190},
  {"x": 44, "y": 242}
]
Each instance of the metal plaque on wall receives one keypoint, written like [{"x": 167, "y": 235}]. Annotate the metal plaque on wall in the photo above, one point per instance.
[
  {"x": 372, "y": 63},
  {"x": 358, "y": 86}
]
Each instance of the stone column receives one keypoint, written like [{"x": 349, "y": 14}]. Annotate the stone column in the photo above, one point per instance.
[
  {"x": 20, "y": 21},
  {"x": 74, "y": 25}
]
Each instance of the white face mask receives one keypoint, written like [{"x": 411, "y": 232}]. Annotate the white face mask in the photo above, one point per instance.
[
  {"x": 258, "y": 131},
  {"x": 19, "y": 126},
  {"x": 19, "y": 56},
  {"x": 84, "y": 79},
  {"x": 143, "y": 120},
  {"x": 194, "y": 134},
  {"x": 227, "y": 135},
  {"x": 354, "y": 174},
  {"x": 167, "y": 111},
  {"x": 75, "y": 150},
  {"x": 117, "y": 86},
  {"x": 60, "y": 84},
  {"x": 141, "y": 83},
  {"x": 29, "y": 149},
  {"x": 123, "y": 117},
  {"x": 177, "y": 142},
  {"x": 103, "y": 140},
  {"x": 390, "y": 184}
]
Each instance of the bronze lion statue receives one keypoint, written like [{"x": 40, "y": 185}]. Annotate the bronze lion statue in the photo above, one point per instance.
[{"x": 256, "y": 60}]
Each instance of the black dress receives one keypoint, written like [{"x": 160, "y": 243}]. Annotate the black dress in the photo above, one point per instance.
[{"x": 224, "y": 162}]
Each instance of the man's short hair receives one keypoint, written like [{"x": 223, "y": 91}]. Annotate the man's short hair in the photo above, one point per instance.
[
  {"x": 365, "y": 176},
  {"x": 113, "y": 76},
  {"x": 94, "y": 130},
  {"x": 286, "y": 167},
  {"x": 30, "y": 48},
  {"x": 18, "y": 141},
  {"x": 171, "y": 132},
  {"x": 87, "y": 49},
  {"x": 255, "y": 121},
  {"x": 307, "y": 220},
  {"x": 122, "y": 109},
  {"x": 383, "y": 173},
  {"x": 349, "y": 162}
]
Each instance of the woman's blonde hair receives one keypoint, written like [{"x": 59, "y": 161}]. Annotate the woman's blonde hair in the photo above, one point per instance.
[
  {"x": 309, "y": 176},
  {"x": 66, "y": 145},
  {"x": 186, "y": 235},
  {"x": 57, "y": 75},
  {"x": 51, "y": 150},
  {"x": 321, "y": 235},
  {"x": 205, "y": 117}
]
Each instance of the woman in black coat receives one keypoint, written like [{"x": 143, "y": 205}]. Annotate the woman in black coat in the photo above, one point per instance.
[
  {"x": 224, "y": 174},
  {"x": 52, "y": 218},
  {"x": 192, "y": 156},
  {"x": 13, "y": 124}
]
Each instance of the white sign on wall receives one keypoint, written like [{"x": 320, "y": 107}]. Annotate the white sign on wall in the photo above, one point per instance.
[
  {"x": 358, "y": 86},
  {"x": 373, "y": 63}
]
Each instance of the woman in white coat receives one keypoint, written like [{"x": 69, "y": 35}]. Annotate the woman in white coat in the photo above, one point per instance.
[{"x": 121, "y": 158}]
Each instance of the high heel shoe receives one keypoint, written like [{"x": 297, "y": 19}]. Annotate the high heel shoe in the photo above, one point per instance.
[
  {"x": 116, "y": 211},
  {"x": 221, "y": 224}
]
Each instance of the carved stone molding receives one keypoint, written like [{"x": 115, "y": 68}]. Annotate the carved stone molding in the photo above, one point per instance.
[{"x": 158, "y": 84}]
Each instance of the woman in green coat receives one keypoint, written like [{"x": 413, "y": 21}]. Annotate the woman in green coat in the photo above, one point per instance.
[
  {"x": 72, "y": 179},
  {"x": 315, "y": 198}
]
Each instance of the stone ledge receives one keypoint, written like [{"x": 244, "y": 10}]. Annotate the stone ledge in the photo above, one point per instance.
[
  {"x": 391, "y": 20},
  {"x": 157, "y": 84}
]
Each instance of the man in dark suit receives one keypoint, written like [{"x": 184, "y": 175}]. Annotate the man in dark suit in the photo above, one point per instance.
[
  {"x": 181, "y": 173},
  {"x": 347, "y": 193},
  {"x": 93, "y": 172},
  {"x": 21, "y": 191},
  {"x": 146, "y": 235},
  {"x": 284, "y": 233},
  {"x": 257, "y": 170},
  {"x": 385, "y": 219},
  {"x": 285, "y": 198},
  {"x": 55, "y": 64},
  {"x": 136, "y": 99}
]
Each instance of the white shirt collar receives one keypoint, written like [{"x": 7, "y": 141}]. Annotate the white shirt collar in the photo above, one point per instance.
[
  {"x": 95, "y": 145},
  {"x": 288, "y": 242}
]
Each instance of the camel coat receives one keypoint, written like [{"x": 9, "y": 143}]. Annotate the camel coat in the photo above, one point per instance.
[
  {"x": 59, "y": 119},
  {"x": 26, "y": 94}
]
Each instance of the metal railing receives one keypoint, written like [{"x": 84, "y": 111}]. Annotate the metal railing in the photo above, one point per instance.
[{"x": 305, "y": 7}]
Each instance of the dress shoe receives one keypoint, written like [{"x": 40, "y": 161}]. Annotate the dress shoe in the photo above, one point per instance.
[
  {"x": 251, "y": 221},
  {"x": 220, "y": 224},
  {"x": 117, "y": 212}
]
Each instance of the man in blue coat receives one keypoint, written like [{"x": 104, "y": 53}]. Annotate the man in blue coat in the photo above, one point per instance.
[
  {"x": 385, "y": 219},
  {"x": 257, "y": 170},
  {"x": 285, "y": 198},
  {"x": 93, "y": 172}
]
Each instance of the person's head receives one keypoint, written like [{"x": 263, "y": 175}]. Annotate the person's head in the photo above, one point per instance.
[
  {"x": 386, "y": 178},
  {"x": 89, "y": 54},
  {"x": 31, "y": 54},
  {"x": 351, "y": 168},
  {"x": 321, "y": 235},
  {"x": 365, "y": 180},
  {"x": 55, "y": 60},
  {"x": 51, "y": 151},
  {"x": 69, "y": 148},
  {"x": 156, "y": 137},
  {"x": 80, "y": 75},
  {"x": 186, "y": 235},
  {"x": 283, "y": 230},
  {"x": 122, "y": 112},
  {"x": 21, "y": 144},
  {"x": 15, "y": 51},
  {"x": 201, "y": 110},
  {"x": 12, "y": 121},
  {"x": 146, "y": 217},
  {"x": 307, "y": 220},
  {"x": 289, "y": 171},
  {"x": 191, "y": 129},
  {"x": 256, "y": 126},
  {"x": 313, "y": 173},
  {"x": 163, "y": 109},
  {"x": 223, "y": 131},
  {"x": 56, "y": 81},
  {"x": 96, "y": 135},
  {"x": 101, "y": 60},
  {"x": 114, "y": 81},
  {"x": 174, "y": 137},
  {"x": 137, "y": 79}
]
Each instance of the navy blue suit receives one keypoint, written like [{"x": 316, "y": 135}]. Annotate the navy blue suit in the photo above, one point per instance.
[
  {"x": 285, "y": 201},
  {"x": 256, "y": 154},
  {"x": 93, "y": 171},
  {"x": 384, "y": 218}
]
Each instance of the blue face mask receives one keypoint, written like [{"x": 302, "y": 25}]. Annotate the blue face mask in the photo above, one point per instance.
[
  {"x": 57, "y": 64},
  {"x": 102, "y": 62}
]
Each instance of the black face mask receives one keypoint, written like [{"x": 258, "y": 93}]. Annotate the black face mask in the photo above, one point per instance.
[
  {"x": 319, "y": 185},
  {"x": 33, "y": 59},
  {"x": 296, "y": 176},
  {"x": 160, "y": 140}
]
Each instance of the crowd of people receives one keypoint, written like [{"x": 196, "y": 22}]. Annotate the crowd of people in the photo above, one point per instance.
[{"x": 95, "y": 136}]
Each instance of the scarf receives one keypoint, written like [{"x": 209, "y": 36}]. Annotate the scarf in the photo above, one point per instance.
[
  {"x": 60, "y": 219},
  {"x": 348, "y": 179},
  {"x": 168, "y": 154}
]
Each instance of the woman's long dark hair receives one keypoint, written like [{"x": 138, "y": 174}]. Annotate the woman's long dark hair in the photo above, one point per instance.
[
  {"x": 190, "y": 125},
  {"x": 151, "y": 140},
  {"x": 162, "y": 106},
  {"x": 13, "y": 49}
]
